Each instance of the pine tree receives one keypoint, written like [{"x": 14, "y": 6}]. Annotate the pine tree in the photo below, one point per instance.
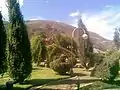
[
  {"x": 2, "y": 47},
  {"x": 85, "y": 45},
  {"x": 116, "y": 38},
  {"x": 19, "y": 54}
]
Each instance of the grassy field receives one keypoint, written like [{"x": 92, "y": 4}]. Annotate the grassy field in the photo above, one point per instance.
[
  {"x": 99, "y": 85},
  {"x": 39, "y": 76}
]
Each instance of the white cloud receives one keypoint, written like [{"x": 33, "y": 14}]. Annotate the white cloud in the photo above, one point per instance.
[
  {"x": 75, "y": 14},
  {"x": 4, "y": 8},
  {"x": 102, "y": 22}
]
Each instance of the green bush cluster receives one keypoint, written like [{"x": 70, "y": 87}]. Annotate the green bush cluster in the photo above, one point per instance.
[
  {"x": 61, "y": 65},
  {"x": 108, "y": 68},
  {"x": 97, "y": 58}
]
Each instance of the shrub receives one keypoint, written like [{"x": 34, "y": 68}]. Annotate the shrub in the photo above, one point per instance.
[
  {"x": 108, "y": 68},
  {"x": 97, "y": 58},
  {"x": 61, "y": 66}
]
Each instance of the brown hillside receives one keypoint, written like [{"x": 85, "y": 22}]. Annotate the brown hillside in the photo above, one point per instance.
[{"x": 58, "y": 27}]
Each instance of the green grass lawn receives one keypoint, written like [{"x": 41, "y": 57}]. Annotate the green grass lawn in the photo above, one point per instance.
[
  {"x": 99, "y": 85},
  {"x": 39, "y": 76}
]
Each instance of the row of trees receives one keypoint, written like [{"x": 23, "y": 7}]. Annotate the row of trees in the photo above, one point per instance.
[
  {"x": 63, "y": 49},
  {"x": 15, "y": 54}
]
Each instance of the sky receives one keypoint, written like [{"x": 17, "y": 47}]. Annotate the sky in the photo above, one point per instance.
[{"x": 99, "y": 16}]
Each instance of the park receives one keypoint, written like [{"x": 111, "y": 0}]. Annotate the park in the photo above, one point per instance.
[{"x": 50, "y": 60}]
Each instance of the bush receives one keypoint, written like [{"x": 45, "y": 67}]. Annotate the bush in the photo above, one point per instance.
[
  {"x": 61, "y": 66},
  {"x": 97, "y": 58},
  {"x": 108, "y": 68}
]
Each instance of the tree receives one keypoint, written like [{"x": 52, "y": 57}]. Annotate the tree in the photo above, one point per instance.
[
  {"x": 62, "y": 45},
  {"x": 19, "y": 54},
  {"x": 85, "y": 46},
  {"x": 116, "y": 38},
  {"x": 3, "y": 62},
  {"x": 108, "y": 69},
  {"x": 39, "y": 50}
]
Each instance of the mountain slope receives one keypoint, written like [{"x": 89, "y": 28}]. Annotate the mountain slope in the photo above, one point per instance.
[{"x": 58, "y": 27}]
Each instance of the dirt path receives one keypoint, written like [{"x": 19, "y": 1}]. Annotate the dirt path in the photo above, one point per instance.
[{"x": 71, "y": 83}]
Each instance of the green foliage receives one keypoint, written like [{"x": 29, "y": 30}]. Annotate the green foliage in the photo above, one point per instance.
[
  {"x": 62, "y": 45},
  {"x": 66, "y": 42},
  {"x": 97, "y": 58},
  {"x": 87, "y": 54},
  {"x": 62, "y": 54},
  {"x": 39, "y": 50},
  {"x": 61, "y": 66},
  {"x": 39, "y": 76},
  {"x": 18, "y": 46},
  {"x": 85, "y": 46},
  {"x": 3, "y": 62},
  {"x": 116, "y": 38},
  {"x": 108, "y": 68}
]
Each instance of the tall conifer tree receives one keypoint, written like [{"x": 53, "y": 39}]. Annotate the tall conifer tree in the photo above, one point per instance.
[
  {"x": 19, "y": 54},
  {"x": 116, "y": 38},
  {"x": 2, "y": 47}
]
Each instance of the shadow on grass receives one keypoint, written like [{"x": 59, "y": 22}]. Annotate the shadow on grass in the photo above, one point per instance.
[
  {"x": 116, "y": 82},
  {"x": 68, "y": 82},
  {"x": 71, "y": 81},
  {"x": 14, "y": 88},
  {"x": 32, "y": 83},
  {"x": 36, "y": 68},
  {"x": 79, "y": 74},
  {"x": 39, "y": 82},
  {"x": 18, "y": 88}
]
